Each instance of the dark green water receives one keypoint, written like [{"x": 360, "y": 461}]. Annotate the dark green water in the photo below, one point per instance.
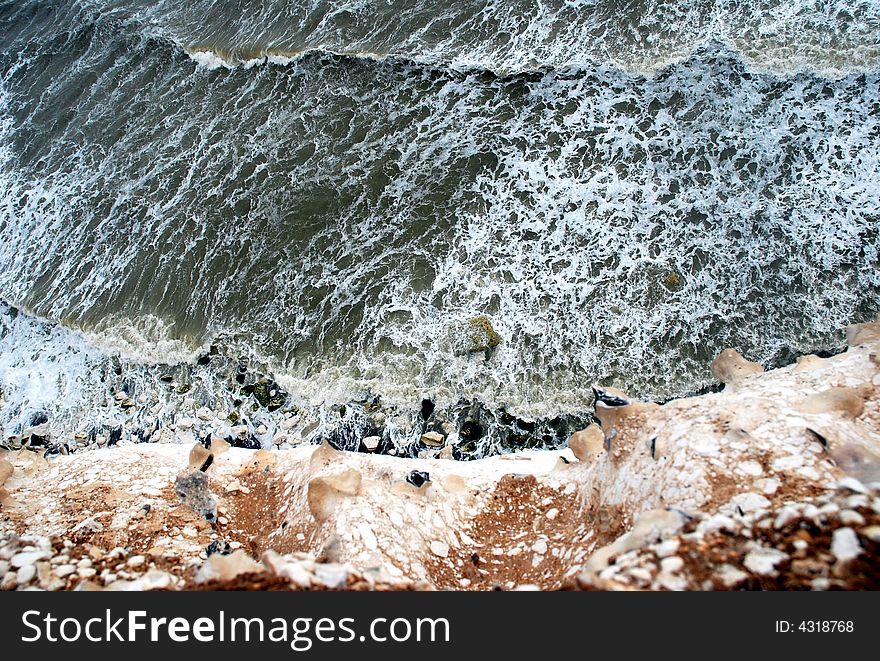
[{"x": 623, "y": 188}]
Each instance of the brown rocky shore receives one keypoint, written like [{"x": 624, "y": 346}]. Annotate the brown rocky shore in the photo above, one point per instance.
[{"x": 773, "y": 483}]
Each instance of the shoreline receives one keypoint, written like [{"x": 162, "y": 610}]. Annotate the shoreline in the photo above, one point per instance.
[{"x": 651, "y": 497}]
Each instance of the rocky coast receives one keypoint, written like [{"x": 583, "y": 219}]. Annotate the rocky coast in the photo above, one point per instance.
[{"x": 771, "y": 483}]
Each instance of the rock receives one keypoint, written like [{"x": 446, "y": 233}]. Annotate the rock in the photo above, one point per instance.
[
  {"x": 205, "y": 414},
  {"x": 28, "y": 558},
  {"x": 217, "y": 546},
  {"x": 9, "y": 582},
  {"x": 371, "y": 443},
  {"x": 26, "y": 574},
  {"x": 331, "y": 575},
  {"x": 732, "y": 369},
  {"x": 763, "y": 561},
  {"x": 588, "y": 443},
  {"x": 849, "y": 401},
  {"x": 474, "y": 335},
  {"x": 433, "y": 439},
  {"x": 845, "y": 545},
  {"x": 418, "y": 478},
  {"x": 185, "y": 424},
  {"x": 136, "y": 561},
  {"x": 729, "y": 575},
  {"x": 64, "y": 570},
  {"x": 193, "y": 490},
  {"x": 226, "y": 567},
  {"x": 439, "y": 549},
  {"x": 872, "y": 533},
  {"x": 851, "y": 484},
  {"x": 325, "y": 493},
  {"x": 200, "y": 457}
]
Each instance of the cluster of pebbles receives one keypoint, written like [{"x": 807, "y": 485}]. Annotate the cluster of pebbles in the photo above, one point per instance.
[{"x": 831, "y": 542}]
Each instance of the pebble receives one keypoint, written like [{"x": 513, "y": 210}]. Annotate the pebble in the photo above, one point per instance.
[
  {"x": 872, "y": 533},
  {"x": 851, "y": 518},
  {"x": 540, "y": 547},
  {"x": 845, "y": 544},
  {"x": 440, "y": 549},
  {"x": 136, "y": 561},
  {"x": 730, "y": 575},
  {"x": 64, "y": 570},
  {"x": 28, "y": 558},
  {"x": 9, "y": 581},
  {"x": 4, "y": 567},
  {"x": 667, "y": 548},
  {"x": 552, "y": 513},
  {"x": 86, "y": 572},
  {"x": 852, "y": 484},
  {"x": 26, "y": 574},
  {"x": 671, "y": 565},
  {"x": 763, "y": 561}
]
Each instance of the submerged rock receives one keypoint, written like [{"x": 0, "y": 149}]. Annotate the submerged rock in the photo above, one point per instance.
[{"x": 474, "y": 335}]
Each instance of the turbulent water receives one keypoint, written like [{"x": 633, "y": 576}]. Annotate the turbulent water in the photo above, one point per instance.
[{"x": 326, "y": 188}]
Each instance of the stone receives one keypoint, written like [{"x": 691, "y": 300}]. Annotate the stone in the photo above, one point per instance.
[
  {"x": 193, "y": 490},
  {"x": 26, "y": 574},
  {"x": 732, "y": 369},
  {"x": 433, "y": 439},
  {"x": 199, "y": 457},
  {"x": 226, "y": 567},
  {"x": 64, "y": 570},
  {"x": 325, "y": 493},
  {"x": 418, "y": 478},
  {"x": 9, "y": 582},
  {"x": 440, "y": 549},
  {"x": 371, "y": 443},
  {"x": 474, "y": 335},
  {"x": 845, "y": 545},
  {"x": 332, "y": 575},
  {"x": 763, "y": 561},
  {"x": 729, "y": 575},
  {"x": 848, "y": 401},
  {"x": 136, "y": 561},
  {"x": 851, "y": 484},
  {"x": 872, "y": 533},
  {"x": 588, "y": 443},
  {"x": 28, "y": 558}
]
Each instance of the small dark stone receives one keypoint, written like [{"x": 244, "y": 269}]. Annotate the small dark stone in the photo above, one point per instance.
[
  {"x": 248, "y": 443},
  {"x": 232, "y": 418},
  {"x": 217, "y": 546},
  {"x": 54, "y": 450},
  {"x": 276, "y": 402},
  {"x": 654, "y": 448},
  {"x": 146, "y": 507},
  {"x": 203, "y": 360},
  {"x": 427, "y": 408},
  {"x": 205, "y": 466},
  {"x": 261, "y": 392},
  {"x": 239, "y": 378},
  {"x": 114, "y": 436},
  {"x": 526, "y": 425},
  {"x": 471, "y": 430},
  {"x": 166, "y": 378},
  {"x": 214, "y": 350},
  {"x": 248, "y": 390},
  {"x": 608, "y": 399},
  {"x": 184, "y": 388},
  {"x": 418, "y": 478}
]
